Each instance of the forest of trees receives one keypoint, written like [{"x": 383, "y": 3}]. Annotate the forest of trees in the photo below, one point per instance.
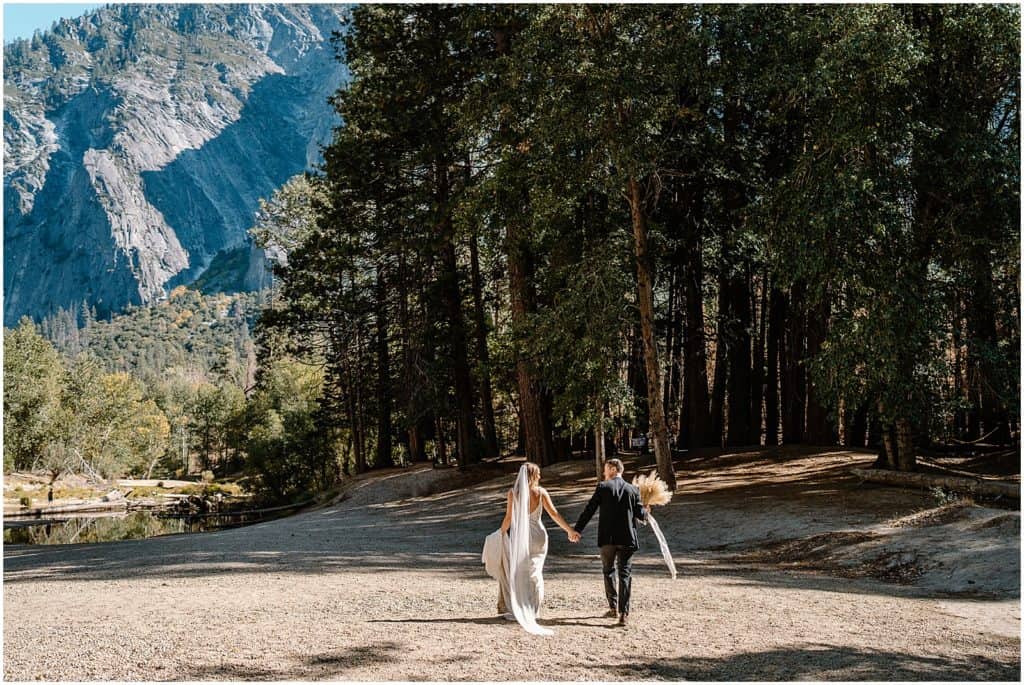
[
  {"x": 719, "y": 225},
  {"x": 553, "y": 228},
  {"x": 159, "y": 391}
]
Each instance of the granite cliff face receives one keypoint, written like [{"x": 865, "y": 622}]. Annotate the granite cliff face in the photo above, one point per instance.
[{"x": 139, "y": 138}]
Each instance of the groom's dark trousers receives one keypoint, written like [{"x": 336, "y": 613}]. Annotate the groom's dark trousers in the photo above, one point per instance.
[
  {"x": 621, "y": 556},
  {"x": 618, "y": 506}
]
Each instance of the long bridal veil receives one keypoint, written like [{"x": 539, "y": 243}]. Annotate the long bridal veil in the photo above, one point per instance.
[{"x": 522, "y": 600}]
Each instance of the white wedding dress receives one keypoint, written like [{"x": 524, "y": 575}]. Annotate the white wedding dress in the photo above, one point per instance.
[{"x": 516, "y": 560}]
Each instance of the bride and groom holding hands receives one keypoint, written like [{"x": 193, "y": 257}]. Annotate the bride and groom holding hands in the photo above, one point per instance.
[{"x": 514, "y": 554}]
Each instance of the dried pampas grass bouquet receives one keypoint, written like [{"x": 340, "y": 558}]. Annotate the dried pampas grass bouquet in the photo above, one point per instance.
[{"x": 653, "y": 490}]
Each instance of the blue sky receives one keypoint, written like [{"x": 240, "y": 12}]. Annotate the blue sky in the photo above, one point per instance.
[{"x": 21, "y": 18}]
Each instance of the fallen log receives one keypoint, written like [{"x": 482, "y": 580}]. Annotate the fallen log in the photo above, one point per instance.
[
  {"x": 29, "y": 523},
  {"x": 152, "y": 483},
  {"x": 147, "y": 503},
  {"x": 228, "y": 513},
  {"x": 941, "y": 469},
  {"x": 971, "y": 486},
  {"x": 977, "y": 440},
  {"x": 68, "y": 508}
]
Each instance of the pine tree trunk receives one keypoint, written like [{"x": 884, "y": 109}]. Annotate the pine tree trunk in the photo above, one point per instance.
[
  {"x": 843, "y": 412},
  {"x": 959, "y": 422},
  {"x": 520, "y": 433},
  {"x": 360, "y": 433},
  {"x": 675, "y": 398},
  {"x": 417, "y": 453},
  {"x": 739, "y": 428},
  {"x": 989, "y": 413},
  {"x": 889, "y": 444},
  {"x": 856, "y": 435},
  {"x": 490, "y": 435},
  {"x": 794, "y": 388},
  {"x": 636, "y": 377},
  {"x": 547, "y": 405},
  {"x": 465, "y": 426},
  {"x": 973, "y": 411},
  {"x": 537, "y": 440},
  {"x": 350, "y": 415},
  {"x": 599, "y": 440},
  {"x": 535, "y": 424},
  {"x": 721, "y": 369},
  {"x": 384, "y": 457},
  {"x": 346, "y": 465},
  {"x": 645, "y": 287},
  {"x": 665, "y": 390},
  {"x": 736, "y": 270},
  {"x": 776, "y": 322},
  {"x": 673, "y": 346},
  {"x": 757, "y": 375},
  {"x": 906, "y": 460},
  {"x": 696, "y": 365},
  {"x": 819, "y": 428},
  {"x": 417, "y": 443},
  {"x": 441, "y": 441}
]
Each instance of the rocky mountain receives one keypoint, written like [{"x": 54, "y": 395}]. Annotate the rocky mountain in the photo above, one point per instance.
[{"x": 139, "y": 138}]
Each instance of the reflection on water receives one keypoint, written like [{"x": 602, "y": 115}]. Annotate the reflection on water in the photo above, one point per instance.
[{"x": 135, "y": 525}]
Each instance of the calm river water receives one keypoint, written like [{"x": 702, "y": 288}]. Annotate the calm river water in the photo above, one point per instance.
[{"x": 131, "y": 526}]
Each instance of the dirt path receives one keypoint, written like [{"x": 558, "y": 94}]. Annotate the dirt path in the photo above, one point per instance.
[{"x": 382, "y": 588}]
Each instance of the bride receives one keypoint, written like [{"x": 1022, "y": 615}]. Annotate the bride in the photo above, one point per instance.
[{"x": 516, "y": 559}]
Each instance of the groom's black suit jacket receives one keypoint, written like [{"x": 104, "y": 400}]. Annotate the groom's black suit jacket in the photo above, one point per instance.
[{"x": 620, "y": 508}]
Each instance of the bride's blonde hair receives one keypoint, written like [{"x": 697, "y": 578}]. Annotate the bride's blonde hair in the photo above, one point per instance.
[{"x": 532, "y": 473}]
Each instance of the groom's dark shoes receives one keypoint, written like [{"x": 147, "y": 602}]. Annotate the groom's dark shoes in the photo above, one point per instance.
[
  {"x": 611, "y": 613},
  {"x": 623, "y": 619}
]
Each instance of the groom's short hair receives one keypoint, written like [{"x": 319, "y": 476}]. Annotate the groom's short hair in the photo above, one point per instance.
[{"x": 616, "y": 464}]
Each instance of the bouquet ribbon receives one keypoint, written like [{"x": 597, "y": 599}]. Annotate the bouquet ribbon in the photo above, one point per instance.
[{"x": 665, "y": 553}]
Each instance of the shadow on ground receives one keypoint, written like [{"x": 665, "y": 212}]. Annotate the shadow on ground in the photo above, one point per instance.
[
  {"x": 814, "y": 662},
  {"x": 822, "y": 662},
  {"x": 327, "y": 665}
]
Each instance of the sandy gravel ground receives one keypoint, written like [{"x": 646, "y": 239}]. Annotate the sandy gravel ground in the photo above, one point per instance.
[{"x": 382, "y": 586}]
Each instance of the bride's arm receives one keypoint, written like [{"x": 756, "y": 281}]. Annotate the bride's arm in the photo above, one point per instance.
[
  {"x": 507, "y": 521},
  {"x": 549, "y": 507}
]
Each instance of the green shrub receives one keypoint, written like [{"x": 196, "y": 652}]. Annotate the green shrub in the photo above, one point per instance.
[{"x": 944, "y": 497}]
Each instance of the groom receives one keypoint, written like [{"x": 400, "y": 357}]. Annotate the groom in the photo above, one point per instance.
[{"x": 620, "y": 508}]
